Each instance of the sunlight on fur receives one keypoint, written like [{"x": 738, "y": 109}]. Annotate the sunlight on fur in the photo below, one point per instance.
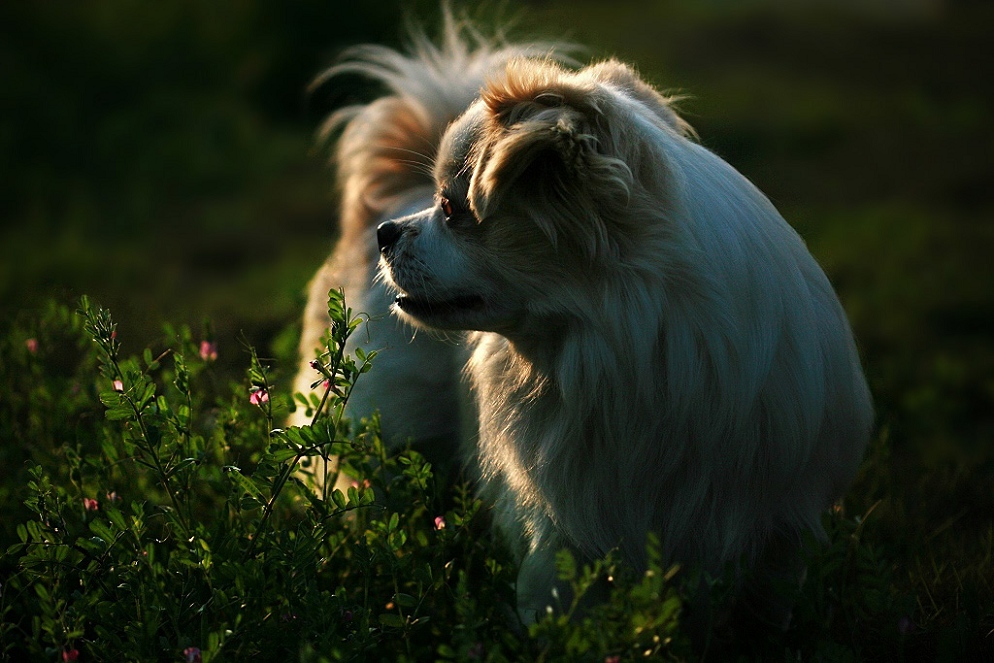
[{"x": 652, "y": 346}]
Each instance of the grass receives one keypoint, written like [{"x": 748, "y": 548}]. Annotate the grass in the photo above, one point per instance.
[{"x": 197, "y": 194}]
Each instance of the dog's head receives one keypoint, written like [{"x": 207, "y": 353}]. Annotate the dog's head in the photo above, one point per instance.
[{"x": 549, "y": 183}]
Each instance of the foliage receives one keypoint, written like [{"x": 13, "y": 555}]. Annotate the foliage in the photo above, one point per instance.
[{"x": 175, "y": 522}]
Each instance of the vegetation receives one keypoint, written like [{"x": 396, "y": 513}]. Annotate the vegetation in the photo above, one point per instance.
[
  {"x": 167, "y": 525},
  {"x": 160, "y": 159}
]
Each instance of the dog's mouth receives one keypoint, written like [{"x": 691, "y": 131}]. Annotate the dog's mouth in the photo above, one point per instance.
[{"x": 434, "y": 308}]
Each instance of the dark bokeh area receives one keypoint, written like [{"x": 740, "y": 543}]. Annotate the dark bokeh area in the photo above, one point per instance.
[{"x": 160, "y": 157}]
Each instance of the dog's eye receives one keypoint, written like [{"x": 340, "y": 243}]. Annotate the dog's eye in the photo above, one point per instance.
[{"x": 446, "y": 206}]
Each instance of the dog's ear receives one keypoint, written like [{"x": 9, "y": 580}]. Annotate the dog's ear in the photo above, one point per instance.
[
  {"x": 527, "y": 87},
  {"x": 550, "y": 138},
  {"x": 627, "y": 80}
]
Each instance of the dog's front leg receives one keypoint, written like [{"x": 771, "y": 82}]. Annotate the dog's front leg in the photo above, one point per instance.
[{"x": 539, "y": 588}]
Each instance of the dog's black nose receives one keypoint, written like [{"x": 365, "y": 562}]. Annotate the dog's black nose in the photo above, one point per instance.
[{"x": 387, "y": 233}]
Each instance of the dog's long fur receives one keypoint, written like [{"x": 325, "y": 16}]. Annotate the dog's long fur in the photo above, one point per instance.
[
  {"x": 383, "y": 163},
  {"x": 654, "y": 350}
]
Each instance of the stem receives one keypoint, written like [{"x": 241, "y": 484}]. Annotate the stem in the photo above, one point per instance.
[
  {"x": 150, "y": 449},
  {"x": 335, "y": 370},
  {"x": 288, "y": 469}
]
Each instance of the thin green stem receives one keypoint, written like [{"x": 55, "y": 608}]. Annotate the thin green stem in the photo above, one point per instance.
[{"x": 149, "y": 448}]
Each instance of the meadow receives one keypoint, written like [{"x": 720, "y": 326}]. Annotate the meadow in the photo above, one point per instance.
[{"x": 160, "y": 160}]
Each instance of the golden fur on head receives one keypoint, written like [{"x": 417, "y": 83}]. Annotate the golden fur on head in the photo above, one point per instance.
[{"x": 656, "y": 349}]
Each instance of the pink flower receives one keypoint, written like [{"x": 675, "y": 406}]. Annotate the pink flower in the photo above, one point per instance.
[
  {"x": 612, "y": 659},
  {"x": 315, "y": 364},
  {"x": 112, "y": 496},
  {"x": 118, "y": 385},
  {"x": 208, "y": 351},
  {"x": 90, "y": 504},
  {"x": 326, "y": 385},
  {"x": 70, "y": 654},
  {"x": 32, "y": 345},
  {"x": 192, "y": 654},
  {"x": 439, "y": 522},
  {"x": 258, "y": 397}
]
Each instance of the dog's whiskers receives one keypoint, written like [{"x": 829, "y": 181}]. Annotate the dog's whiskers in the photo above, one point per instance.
[{"x": 422, "y": 159}]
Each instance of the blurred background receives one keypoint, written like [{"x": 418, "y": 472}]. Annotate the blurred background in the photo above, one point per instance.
[{"x": 160, "y": 157}]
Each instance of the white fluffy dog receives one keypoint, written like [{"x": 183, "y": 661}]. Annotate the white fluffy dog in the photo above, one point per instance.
[{"x": 655, "y": 348}]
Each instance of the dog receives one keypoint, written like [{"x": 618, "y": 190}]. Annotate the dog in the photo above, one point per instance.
[
  {"x": 383, "y": 162},
  {"x": 651, "y": 347}
]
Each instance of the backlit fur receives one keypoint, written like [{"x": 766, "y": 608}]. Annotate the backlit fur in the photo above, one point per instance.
[
  {"x": 383, "y": 162},
  {"x": 655, "y": 349}
]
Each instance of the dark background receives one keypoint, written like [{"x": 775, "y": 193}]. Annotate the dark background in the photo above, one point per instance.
[{"x": 160, "y": 157}]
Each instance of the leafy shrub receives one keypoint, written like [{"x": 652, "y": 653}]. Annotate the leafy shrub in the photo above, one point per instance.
[
  {"x": 165, "y": 516},
  {"x": 180, "y": 528}
]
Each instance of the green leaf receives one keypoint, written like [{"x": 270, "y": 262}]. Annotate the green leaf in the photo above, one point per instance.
[
  {"x": 116, "y": 517},
  {"x": 245, "y": 484},
  {"x": 118, "y": 414},
  {"x": 100, "y": 528},
  {"x": 405, "y": 600},
  {"x": 283, "y": 455},
  {"x": 182, "y": 465},
  {"x": 395, "y": 621}
]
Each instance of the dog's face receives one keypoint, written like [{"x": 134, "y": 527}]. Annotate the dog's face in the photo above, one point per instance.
[{"x": 551, "y": 181}]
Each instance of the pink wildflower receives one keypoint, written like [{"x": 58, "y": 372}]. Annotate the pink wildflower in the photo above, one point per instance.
[
  {"x": 112, "y": 496},
  {"x": 113, "y": 335},
  {"x": 258, "y": 397},
  {"x": 326, "y": 385},
  {"x": 192, "y": 654},
  {"x": 439, "y": 522},
  {"x": 315, "y": 364},
  {"x": 70, "y": 654},
  {"x": 612, "y": 659},
  {"x": 90, "y": 504},
  {"x": 118, "y": 385},
  {"x": 32, "y": 345},
  {"x": 208, "y": 350}
]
